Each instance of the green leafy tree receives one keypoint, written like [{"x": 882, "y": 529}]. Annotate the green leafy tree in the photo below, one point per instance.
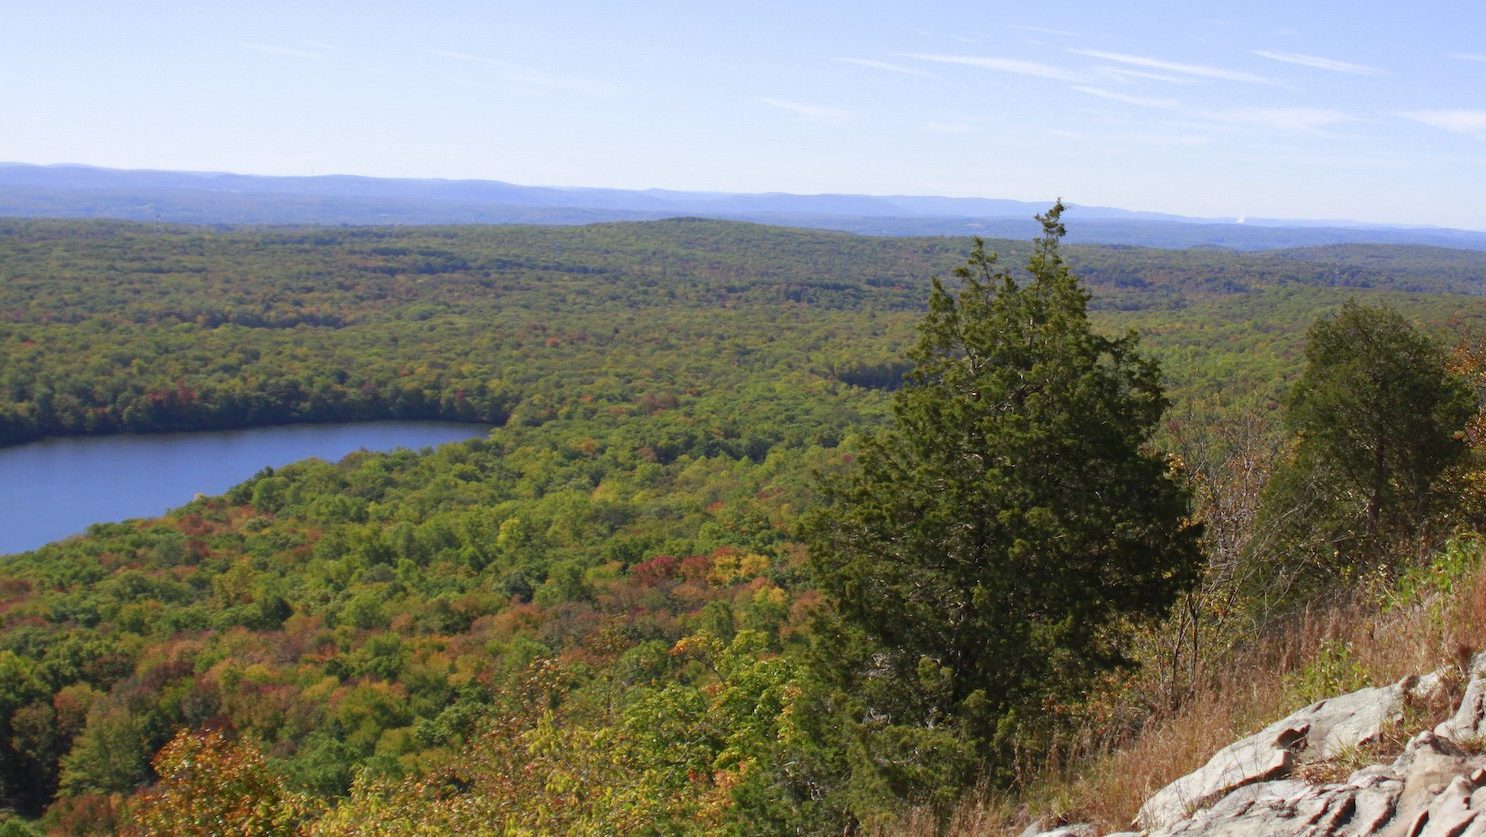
[
  {"x": 979, "y": 561},
  {"x": 1375, "y": 420},
  {"x": 111, "y": 756}
]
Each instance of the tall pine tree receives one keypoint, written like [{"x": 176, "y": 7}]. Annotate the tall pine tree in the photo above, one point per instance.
[{"x": 981, "y": 560}]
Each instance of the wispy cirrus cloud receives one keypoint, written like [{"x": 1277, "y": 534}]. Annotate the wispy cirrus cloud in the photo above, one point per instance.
[
  {"x": 885, "y": 66},
  {"x": 818, "y": 113},
  {"x": 1319, "y": 63},
  {"x": 1015, "y": 66},
  {"x": 523, "y": 75},
  {"x": 1171, "y": 138},
  {"x": 1195, "y": 70},
  {"x": 274, "y": 49},
  {"x": 1467, "y": 56},
  {"x": 1468, "y": 122},
  {"x": 1042, "y": 30},
  {"x": 1138, "y": 101},
  {"x": 1293, "y": 120},
  {"x": 1124, "y": 74},
  {"x": 1163, "y": 139},
  {"x": 946, "y": 128}
]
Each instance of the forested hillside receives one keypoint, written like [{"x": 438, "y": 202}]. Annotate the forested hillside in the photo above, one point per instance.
[
  {"x": 118, "y": 327},
  {"x": 600, "y": 615}
]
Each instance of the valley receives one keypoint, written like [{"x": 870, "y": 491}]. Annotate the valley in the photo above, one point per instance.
[{"x": 609, "y": 590}]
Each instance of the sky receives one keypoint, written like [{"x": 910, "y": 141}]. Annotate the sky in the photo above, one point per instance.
[{"x": 1362, "y": 110}]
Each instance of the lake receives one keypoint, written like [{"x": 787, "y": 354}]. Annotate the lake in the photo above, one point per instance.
[{"x": 57, "y": 487}]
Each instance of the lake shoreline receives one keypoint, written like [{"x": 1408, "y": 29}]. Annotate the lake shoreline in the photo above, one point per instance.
[
  {"x": 156, "y": 432},
  {"x": 56, "y": 487}
]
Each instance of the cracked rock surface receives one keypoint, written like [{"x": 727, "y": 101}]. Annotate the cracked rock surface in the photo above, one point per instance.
[{"x": 1435, "y": 788}]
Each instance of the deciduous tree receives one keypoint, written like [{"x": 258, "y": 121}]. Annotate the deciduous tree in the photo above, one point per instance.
[{"x": 1374, "y": 420}]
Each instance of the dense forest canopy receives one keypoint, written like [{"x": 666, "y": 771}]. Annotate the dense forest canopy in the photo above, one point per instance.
[
  {"x": 611, "y": 588},
  {"x": 110, "y": 326}
]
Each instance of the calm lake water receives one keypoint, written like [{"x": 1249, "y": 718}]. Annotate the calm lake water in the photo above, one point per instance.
[{"x": 57, "y": 487}]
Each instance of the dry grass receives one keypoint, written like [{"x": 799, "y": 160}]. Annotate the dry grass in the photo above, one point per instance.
[
  {"x": 1106, "y": 783},
  {"x": 1341, "y": 765}
]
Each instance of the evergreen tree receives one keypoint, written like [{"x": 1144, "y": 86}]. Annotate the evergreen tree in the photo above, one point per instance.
[
  {"x": 981, "y": 559},
  {"x": 1375, "y": 420}
]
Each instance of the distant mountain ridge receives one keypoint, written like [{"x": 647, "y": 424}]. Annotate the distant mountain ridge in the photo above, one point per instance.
[{"x": 76, "y": 191}]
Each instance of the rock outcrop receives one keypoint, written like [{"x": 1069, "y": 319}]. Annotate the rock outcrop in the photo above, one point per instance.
[{"x": 1435, "y": 788}]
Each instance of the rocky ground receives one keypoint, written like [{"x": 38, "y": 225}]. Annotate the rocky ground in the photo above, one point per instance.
[{"x": 1303, "y": 775}]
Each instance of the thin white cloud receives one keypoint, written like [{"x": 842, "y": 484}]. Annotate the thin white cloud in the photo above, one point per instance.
[
  {"x": 1163, "y": 139},
  {"x": 946, "y": 128},
  {"x": 1198, "y": 70},
  {"x": 1320, "y": 63},
  {"x": 462, "y": 56},
  {"x": 819, "y": 113},
  {"x": 523, "y": 75},
  {"x": 1122, "y": 74},
  {"x": 272, "y": 49},
  {"x": 1468, "y": 56},
  {"x": 885, "y": 66},
  {"x": 1468, "y": 122},
  {"x": 1138, "y": 101},
  {"x": 1045, "y": 31},
  {"x": 1003, "y": 65},
  {"x": 322, "y": 46},
  {"x": 1172, "y": 138},
  {"x": 1293, "y": 120}
]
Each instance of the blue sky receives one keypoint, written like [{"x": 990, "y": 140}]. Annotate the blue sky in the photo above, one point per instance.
[{"x": 1364, "y": 110}]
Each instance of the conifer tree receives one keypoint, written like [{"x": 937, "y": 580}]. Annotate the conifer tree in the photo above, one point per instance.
[{"x": 983, "y": 556}]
